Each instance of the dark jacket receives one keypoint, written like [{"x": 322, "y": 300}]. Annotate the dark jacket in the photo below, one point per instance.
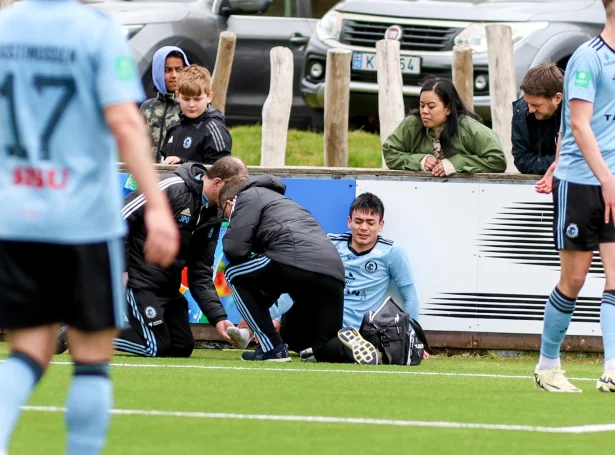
[
  {"x": 204, "y": 139},
  {"x": 183, "y": 188},
  {"x": 200, "y": 265},
  {"x": 533, "y": 141},
  {"x": 265, "y": 222}
]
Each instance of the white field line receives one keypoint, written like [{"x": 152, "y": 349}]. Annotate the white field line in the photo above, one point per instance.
[
  {"x": 600, "y": 428},
  {"x": 324, "y": 370}
]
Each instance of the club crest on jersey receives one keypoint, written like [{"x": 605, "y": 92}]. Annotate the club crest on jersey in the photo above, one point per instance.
[
  {"x": 185, "y": 216},
  {"x": 371, "y": 266},
  {"x": 572, "y": 231},
  {"x": 187, "y": 142},
  {"x": 150, "y": 312}
]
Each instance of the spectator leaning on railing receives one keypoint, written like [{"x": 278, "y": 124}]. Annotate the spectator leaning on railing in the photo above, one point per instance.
[
  {"x": 162, "y": 112},
  {"x": 443, "y": 136},
  {"x": 536, "y": 119},
  {"x": 201, "y": 134}
]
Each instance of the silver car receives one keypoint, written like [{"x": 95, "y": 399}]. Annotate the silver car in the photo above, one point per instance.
[{"x": 543, "y": 30}]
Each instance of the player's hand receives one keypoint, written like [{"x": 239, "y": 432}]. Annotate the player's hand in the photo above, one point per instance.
[
  {"x": 430, "y": 163},
  {"x": 172, "y": 160},
  {"x": 545, "y": 184},
  {"x": 608, "y": 194},
  {"x": 438, "y": 170},
  {"x": 162, "y": 242},
  {"x": 277, "y": 325},
  {"x": 221, "y": 328},
  {"x": 426, "y": 355},
  {"x": 125, "y": 278}
]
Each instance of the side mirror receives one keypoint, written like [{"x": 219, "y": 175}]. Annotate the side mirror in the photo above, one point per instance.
[{"x": 244, "y": 7}]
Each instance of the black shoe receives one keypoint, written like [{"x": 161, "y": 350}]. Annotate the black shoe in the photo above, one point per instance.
[
  {"x": 279, "y": 354},
  {"x": 62, "y": 344}
]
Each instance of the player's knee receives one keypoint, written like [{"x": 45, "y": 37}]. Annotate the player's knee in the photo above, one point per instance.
[
  {"x": 160, "y": 347},
  {"x": 571, "y": 284},
  {"x": 183, "y": 351}
]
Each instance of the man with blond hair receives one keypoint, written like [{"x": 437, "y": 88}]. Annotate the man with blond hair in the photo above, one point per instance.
[{"x": 201, "y": 135}]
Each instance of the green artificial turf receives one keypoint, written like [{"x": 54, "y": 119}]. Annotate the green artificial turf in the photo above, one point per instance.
[{"x": 439, "y": 390}]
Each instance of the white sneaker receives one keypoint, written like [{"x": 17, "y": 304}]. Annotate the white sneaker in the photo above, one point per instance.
[
  {"x": 240, "y": 336},
  {"x": 606, "y": 383},
  {"x": 553, "y": 380}
]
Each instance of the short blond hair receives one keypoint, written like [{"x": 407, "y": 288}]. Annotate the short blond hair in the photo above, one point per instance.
[{"x": 194, "y": 80}]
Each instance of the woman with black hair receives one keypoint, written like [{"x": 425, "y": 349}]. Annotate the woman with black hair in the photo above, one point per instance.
[{"x": 443, "y": 136}]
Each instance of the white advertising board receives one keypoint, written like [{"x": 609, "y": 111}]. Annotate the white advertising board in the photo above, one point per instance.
[{"x": 482, "y": 254}]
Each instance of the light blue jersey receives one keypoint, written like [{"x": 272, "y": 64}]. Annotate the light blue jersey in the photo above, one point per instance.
[
  {"x": 61, "y": 63},
  {"x": 590, "y": 76},
  {"x": 368, "y": 276}
]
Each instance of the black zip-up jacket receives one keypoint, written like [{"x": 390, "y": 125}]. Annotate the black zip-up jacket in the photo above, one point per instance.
[
  {"x": 533, "y": 140},
  {"x": 204, "y": 139},
  {"x": 183, "y": 188},
  {"x": 263, "y": 221}
]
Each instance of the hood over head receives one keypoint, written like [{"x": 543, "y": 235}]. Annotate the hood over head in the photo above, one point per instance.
[
  {"x": 264, "y": 181},
  {"x": 160, "y": 58}
]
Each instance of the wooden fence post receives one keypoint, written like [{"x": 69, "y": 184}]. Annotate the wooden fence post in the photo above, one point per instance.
[
  {"x": 276, "y": 111},
  {"x": 337, "y": 100},
  {"x": 463, "y": 74},
  {"x": 222, "y": 69},
  {"x": 391, "y": 110},
  {"x": 502, "y": 85}
]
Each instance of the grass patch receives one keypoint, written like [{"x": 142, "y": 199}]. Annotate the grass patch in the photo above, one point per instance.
[
  {"x": 305, "y": 148},
  {"x": 456, "y": 390}
]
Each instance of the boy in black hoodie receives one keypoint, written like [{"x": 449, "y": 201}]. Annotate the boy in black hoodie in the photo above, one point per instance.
[{"x": 201, "y": 135}]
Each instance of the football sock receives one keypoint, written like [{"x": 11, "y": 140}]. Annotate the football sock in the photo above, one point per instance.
[
  {"x": 90, "y": 398},
  {"x": 558, "y": 314},
  {"x": 19, "y": 374},
  {"x": 607, "y": 324}
]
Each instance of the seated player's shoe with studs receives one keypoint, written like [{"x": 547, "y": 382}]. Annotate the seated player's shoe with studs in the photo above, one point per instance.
[
  {"x": 606, "y": 383},
  {"x": 363, "y": 352},
  {"x": 61, "y": 343},
  {"x": 278, "y": 354},
  {"x": 553, "y": 380},
  {"x": 240, "y": 336}
]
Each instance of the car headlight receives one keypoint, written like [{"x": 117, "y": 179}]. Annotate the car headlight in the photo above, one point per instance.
[
  {"x": 330, "y": 26},
  {"x": 131, "y": 30},
  {"x": 476, "y": 34}
]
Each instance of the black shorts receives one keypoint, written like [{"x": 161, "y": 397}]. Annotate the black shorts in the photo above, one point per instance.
[
  {"x": 578, "y": 217},
  {"x": 79, "y": 285}
]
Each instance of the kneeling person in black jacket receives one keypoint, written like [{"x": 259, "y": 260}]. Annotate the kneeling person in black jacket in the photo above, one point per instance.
[
  {"x": 201, "y": 134},
  {"x": 275, "y": 246},
  {"x": 157, "y": 311}
]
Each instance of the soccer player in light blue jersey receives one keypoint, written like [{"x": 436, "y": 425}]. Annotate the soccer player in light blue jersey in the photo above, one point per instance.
[
  {"x": 584, "y": 203},
  {"x": 68, "y": 94}
]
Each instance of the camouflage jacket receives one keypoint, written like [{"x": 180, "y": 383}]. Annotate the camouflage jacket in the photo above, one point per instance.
[{"x": 160, "y": 113}]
